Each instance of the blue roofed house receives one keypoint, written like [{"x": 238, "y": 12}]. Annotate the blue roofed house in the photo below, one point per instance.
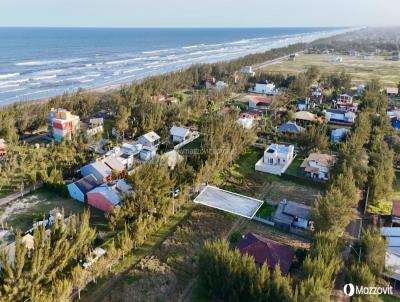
[
  {"x": 78, "y": 189},
  {"x": 100, "y": 170},
  {"x": 290, "y": 127}
]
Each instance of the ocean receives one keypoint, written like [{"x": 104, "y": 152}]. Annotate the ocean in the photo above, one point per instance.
[{"x": 36, "y": 63}]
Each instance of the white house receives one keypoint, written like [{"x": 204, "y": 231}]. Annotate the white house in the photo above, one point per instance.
[
  {"x": 392, "y": 258},
  {"x": 179, "y": 134},
  {"x": 221, "y": 85},
  {"x": 264, "y": 88},
  {"x": 340, "y": 116},
  {"x": 150, "y": 139},
  {"x": 317, "y": 165},
  {"x": 276, "y": 159}
]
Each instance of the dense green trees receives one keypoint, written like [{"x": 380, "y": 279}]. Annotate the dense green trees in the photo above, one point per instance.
[
  {"x": 45, "y": 271},
  {"x": 227, "y": 275},
  {"x": 336, "y": 208}
]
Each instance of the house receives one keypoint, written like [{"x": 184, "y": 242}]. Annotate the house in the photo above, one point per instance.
[
  {"x": 179, "y": 134},
  {"x": 98, "y": 169},
  {"x": 94, "y": 122},
  {"x": 115, "y": 164},
  {"x": 290, "y": 127},
  {"x": 147, "y": 153},
  {"x": 221, "y": 85},
  {"x": 251, "y": 114},
  {"x": 396, "y": 212},
  {"x": 150, "y": 139},
  {"x": 80, "y": 188},
  {"x": 61, "y": 124},
  {"x": 317, "y": 165},
  {"x": 290, "y": 214},
  {"x": 392, "y": 257},
  {"x": 276, "y": 159},
  {"x": 305, "y": 117},
  {"x": 94, "y": 130},
  {"x": 304, "y": 105},
  {"x": 259, "y": 103},
  {"x": 266, "y": 251},
  {"x": 345, "y": 106},
  {"x": 172, "y": 158},
  {"x": 264, "y": 88},
  {"x": 3, "y": 149},
  {"x": 345, "y": 98},
  {"x": 392, "y": 91},
  {"x": 247, "y": 70},
  {"x": 338, "y": 134},
  {"x": 246, "y": 122},
  {"x": 104, "y": 198},
  {"x": 340, "y": 116}
]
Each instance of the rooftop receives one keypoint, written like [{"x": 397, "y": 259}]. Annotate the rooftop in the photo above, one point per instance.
[
  {"x": 267, "y": 251},
  {"x": 151, "y": 136},
  {"x": 87, "y": 183},
  {"x": 179, "y": 131},
  {"x": 228, "y": 201}
]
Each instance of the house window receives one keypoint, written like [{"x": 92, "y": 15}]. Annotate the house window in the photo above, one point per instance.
[{"x": 270, "y": 161}]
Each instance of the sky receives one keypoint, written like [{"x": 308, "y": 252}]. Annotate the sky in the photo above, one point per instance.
[{"x": 199, "y": 13}]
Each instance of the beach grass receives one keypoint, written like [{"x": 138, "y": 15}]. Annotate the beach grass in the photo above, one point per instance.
[{"x": 361, "y": 70}]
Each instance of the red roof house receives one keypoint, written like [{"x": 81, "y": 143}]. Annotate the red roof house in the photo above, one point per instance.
[
  {"x": 396, "y": 212},
  {"x": 267, "y": 251}
]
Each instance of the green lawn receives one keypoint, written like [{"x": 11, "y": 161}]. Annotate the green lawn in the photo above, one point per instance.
[
  {"x": 295, "y": 169},
  {"x": 266, "y": 211},
  {"x": 21, "y": 213},
  {"x": 386, "y": 298},
  {"x": 241, "y": 177}
]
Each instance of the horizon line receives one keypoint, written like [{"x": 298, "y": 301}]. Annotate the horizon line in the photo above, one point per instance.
[{"x": 181, "y": 27}]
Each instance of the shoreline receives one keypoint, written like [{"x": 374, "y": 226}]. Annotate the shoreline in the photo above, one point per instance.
[{"x": 103, "y": 89}]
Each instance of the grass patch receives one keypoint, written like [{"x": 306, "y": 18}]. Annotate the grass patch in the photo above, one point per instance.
[
  {"x": 132, "y": 278},
  {"x": 295, "y": 169},
  {"x": 387, "y": 298},
  {"x": 21, "y": 213},
  {"x": 382, "y": 207},
  {"x": 266, "y": 211},
  {"x": 242, "y": 178},
  {"x": 361, "y": 70}
]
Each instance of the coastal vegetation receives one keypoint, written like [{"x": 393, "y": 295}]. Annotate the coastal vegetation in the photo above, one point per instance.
[{"x": 53, "y": 269}]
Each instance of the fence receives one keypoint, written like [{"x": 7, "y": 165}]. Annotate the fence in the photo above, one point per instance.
[
  {"x": 265, "y": 221},
  {"x": 195, "y": 135}
]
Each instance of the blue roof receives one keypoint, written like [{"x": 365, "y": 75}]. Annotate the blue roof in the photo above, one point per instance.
[
  {"x": 87, "y": 183},
  {"x": 396, "y": 124},
  {"x": 290, "y": 127}
]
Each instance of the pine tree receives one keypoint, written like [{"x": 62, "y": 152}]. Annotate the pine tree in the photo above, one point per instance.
[{"x": 79, "y": 279}]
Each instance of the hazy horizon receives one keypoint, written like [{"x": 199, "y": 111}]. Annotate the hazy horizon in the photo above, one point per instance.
[{"x": 194, "y": 14}]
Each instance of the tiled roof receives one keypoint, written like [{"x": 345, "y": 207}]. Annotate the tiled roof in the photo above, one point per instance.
[{"x": 267, "y": 251}]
